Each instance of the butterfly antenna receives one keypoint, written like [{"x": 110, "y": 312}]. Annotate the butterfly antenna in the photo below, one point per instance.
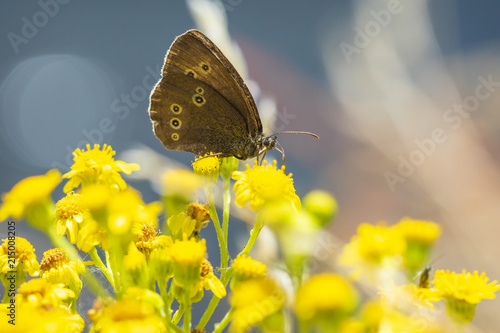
[{"x": 297, "y": 132}]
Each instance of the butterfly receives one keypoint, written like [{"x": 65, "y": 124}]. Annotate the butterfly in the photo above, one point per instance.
[{"x": 202, "y": 105}]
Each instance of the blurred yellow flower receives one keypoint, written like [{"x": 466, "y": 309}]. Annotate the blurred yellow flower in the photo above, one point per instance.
[
  {"x": 187, "y": 256},
  {"x": 97, "y": 166},
  {"x": 263, "y": 184},
  {"x": 40, "y": 320},
  {"x": 22, "y": 255},
  {"x": 253, "y": 302},
  {"x": 374, "y": 246},
  {"x": 181, "y": 182},
  {"x": 129, "y": 316},
  {"x": 420, "y": 231},
  {"x": 208, "y": 168},
  {"x": 92, "y": 234},
  {"x": 40, "y": 293},
  {"x": 28, "y": 196},
  {"x": 134, "y": 260},
  {"x": 55, "y": 267},
  {"x": 326, "y": 295},
  {"x": 244, "y": 268}
]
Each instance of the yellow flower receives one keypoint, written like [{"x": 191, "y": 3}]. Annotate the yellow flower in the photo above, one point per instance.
[
  {"x": 209, "y": 281},
  {"x": 322, "y": 206},
  {"x": 27, "y": 319},
  {"x": 420, "y": 231},
  {"x": 57, "y": 268},
  {"x": 325, "y": 296},
  {"x": 255, "y": 301},
  {"x": 245, "y": 268},
  {"x": 187, "y": 256},
  {"x": 207, "y": 167},
  {"x": 69, "y": 216},
  {"x": 134, "y": 260},
  {"x": 374, "y": 247},
  {"x": 30, "y": 198},
  {"x": 23, "y": 255},
  {"x": 180, "y": 182},
  {"x": 263, "y": 184},
  {"x": 40, "y": 293},
  {"x": 129, "y": 316},
  {"x": 189, "y": 222},
  {"x": 147, "y": 238},
  {"x": 463, "y": 291},
  {"x": 421, "y": 297},
  {"x": 97, "y": 166},
  {"x": 161, "y": 265},
  {"x": 117, "y": 211},
  {"x": 92, "y": 234}
]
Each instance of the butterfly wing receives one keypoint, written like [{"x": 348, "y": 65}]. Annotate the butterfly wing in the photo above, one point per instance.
[
  {"x": 195, "y": 55},
  {"x": 189, "y": 115}
]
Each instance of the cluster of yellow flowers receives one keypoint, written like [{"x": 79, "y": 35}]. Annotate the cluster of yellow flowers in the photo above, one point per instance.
[{"x": 156, "y": 274}]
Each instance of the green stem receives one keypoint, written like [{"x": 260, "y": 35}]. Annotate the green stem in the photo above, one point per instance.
[
  {"x": 187, "y": 311},
  {"x": 162, "y": 285},
  {"x": 225, "y": 216},
  {"x": 215, "y": 218},
  {"x": 253, "y": 235},
  {"x": 98, "y": 262},
  {"x": 178, "y": 314},
  {"x": 68, "y": 248},
  {"x": 225, "y": 321}
]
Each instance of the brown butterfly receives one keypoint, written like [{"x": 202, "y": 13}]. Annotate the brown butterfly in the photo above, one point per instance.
[{"x": 201, "y": 104}]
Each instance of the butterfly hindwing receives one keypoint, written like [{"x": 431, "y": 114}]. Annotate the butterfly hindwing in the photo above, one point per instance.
[{"x": 190, "y": 115}]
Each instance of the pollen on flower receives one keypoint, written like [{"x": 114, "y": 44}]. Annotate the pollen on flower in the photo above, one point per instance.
[
  {"x": 263, "y": 184},
  {"x": 28, "y": 193},
  {"x": 69, "y": 214},
  {"x": 97, "y": 166},
  {"x": 57, "y": 268},
  {"x": 245, "y": 267}
]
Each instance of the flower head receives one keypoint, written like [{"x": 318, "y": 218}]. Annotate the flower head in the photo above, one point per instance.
[
  {"x": 207, "y": 167},
  {"x": 23, "y": 253},
  {"x": 129, "y": 316},
  {"x": 147, "y": 238},
  {"x": 97, "y": 166},
  {"x": 55, "y": 267},
  {"x": 245, "y": 268},
  {"x": 326, "y": 295},
  {"x": 253, "y": 302},
  {"x": 263, "y": 184},
  {"x": 209, "y": 281},
  {"x": 42, "y": 293},
  {"x": 187, "y": 256},
  {"x": 420, "y": 231},
  {"x": 180, "y": 182},
  {"x": 463, "y": 291},
  {"x": 373, "y": 247},
  {"x": 69, "y": 216},
  {"x": 29, "y": 196}
]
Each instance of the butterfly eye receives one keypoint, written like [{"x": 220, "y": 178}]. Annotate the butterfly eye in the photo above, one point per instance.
[
  {"x": 200, "y": 90},
  {"x": 190, "y": 73},
  {"x": 175, "y": 136}
]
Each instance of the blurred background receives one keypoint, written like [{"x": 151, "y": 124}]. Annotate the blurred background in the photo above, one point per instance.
[{"x": 404, "y": 94}]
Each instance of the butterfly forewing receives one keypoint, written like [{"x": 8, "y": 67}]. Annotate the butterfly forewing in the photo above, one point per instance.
[{"x": 194, "y": 54}]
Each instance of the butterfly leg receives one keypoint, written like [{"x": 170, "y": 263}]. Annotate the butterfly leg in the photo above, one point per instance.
[{"x": 282, "y": 151}]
